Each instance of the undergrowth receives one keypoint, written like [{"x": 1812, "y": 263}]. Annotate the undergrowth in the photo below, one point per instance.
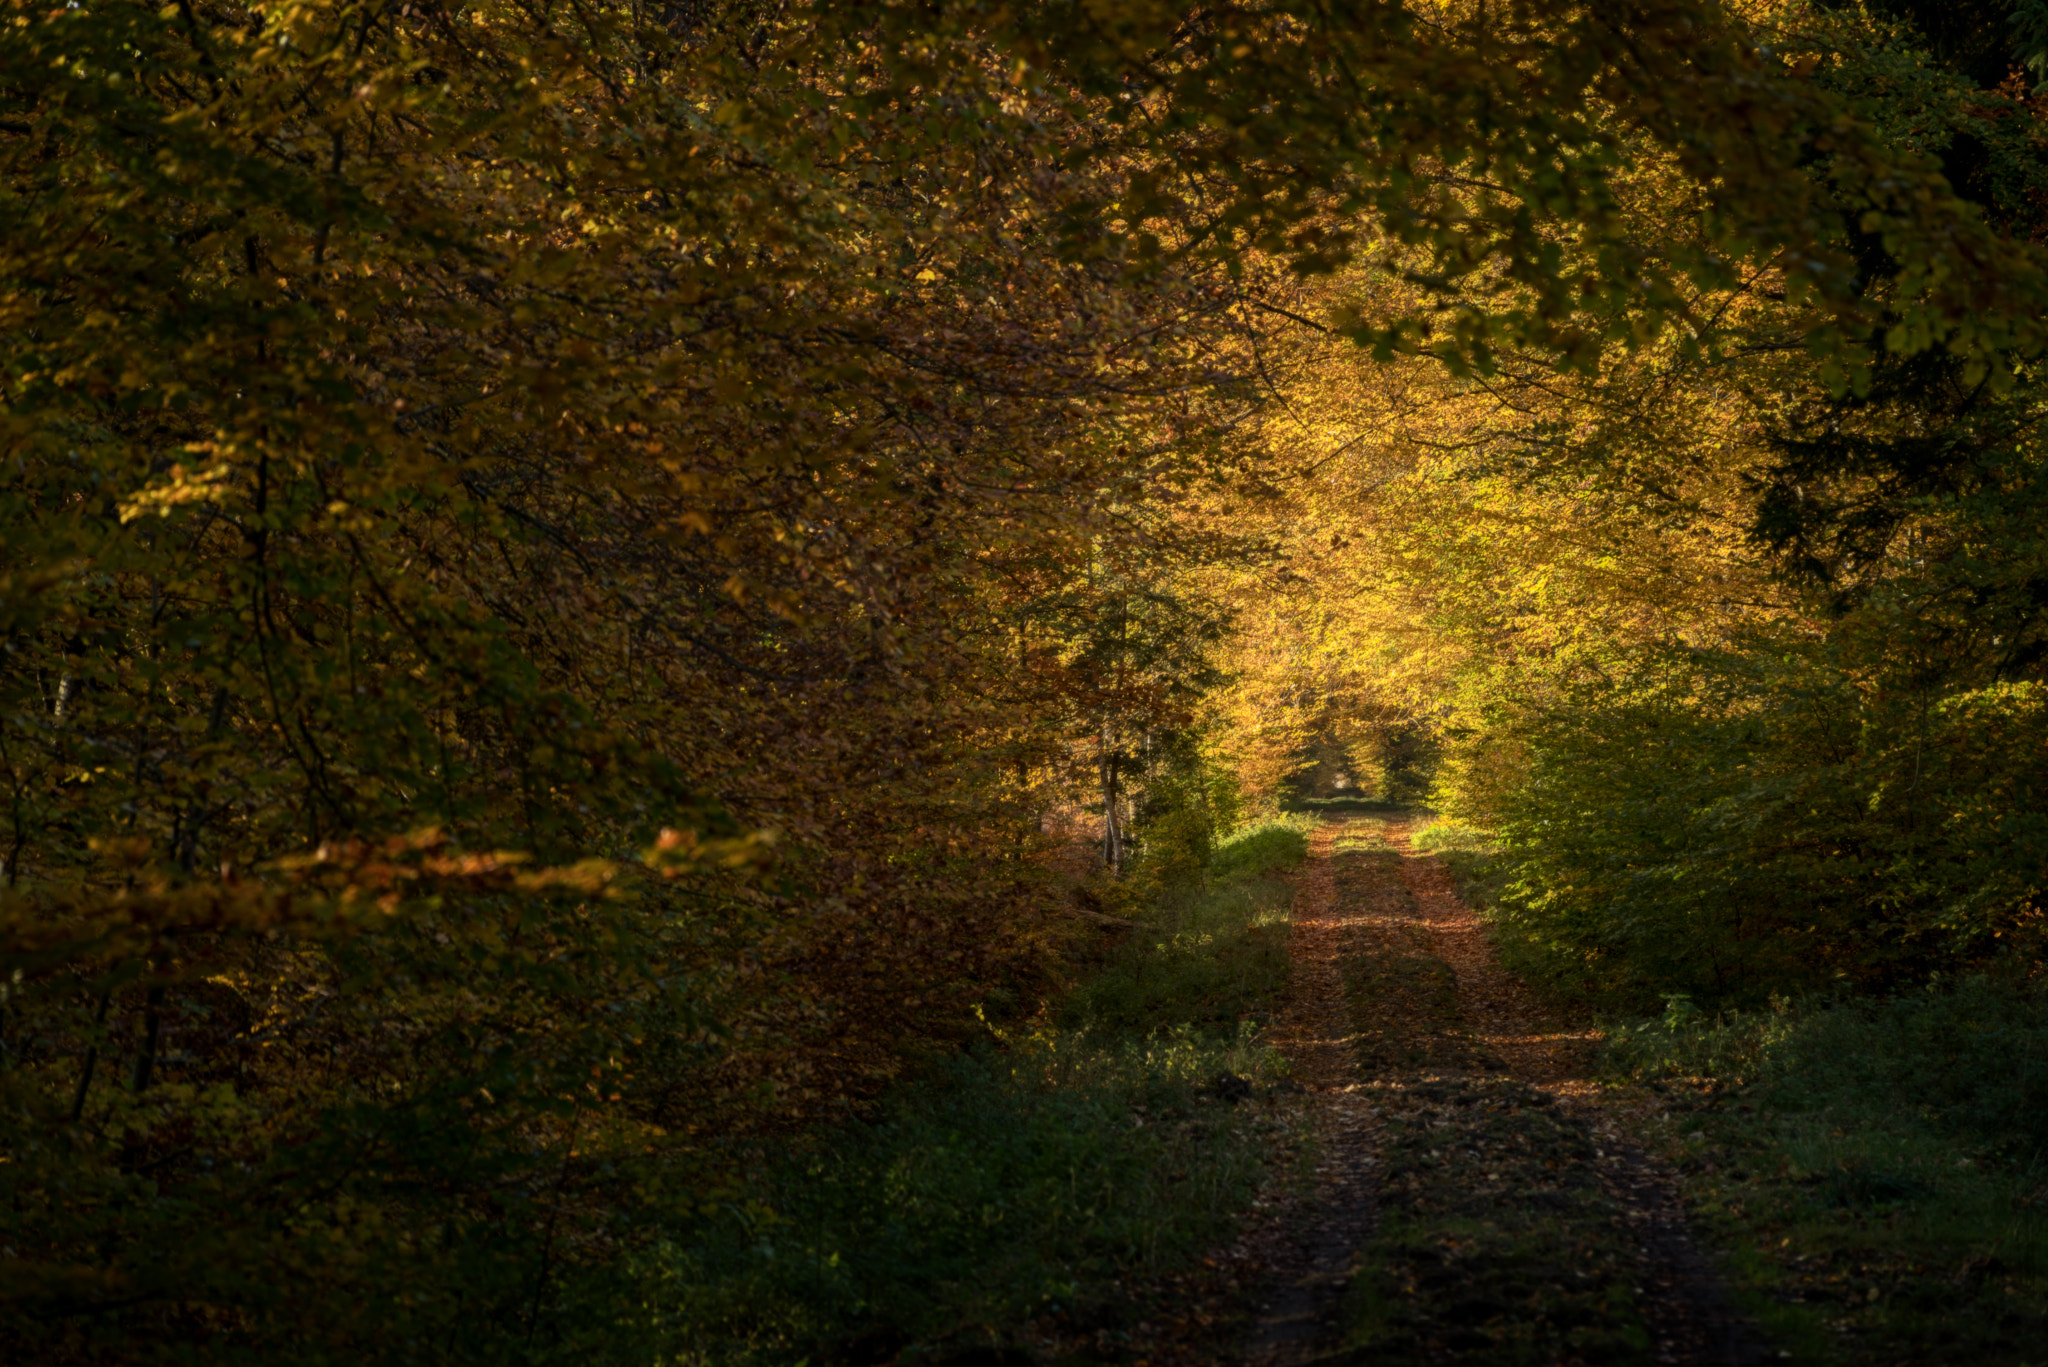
[
  {"x": 1262, "y": 847},
  {"x": 1214, "y": 954},
  {"x": 1472, "y": 857},
  {"x": 1345, "y": 806},
  {"x": 1032, "y": 1177},
  {"x": 1879, "y": 1169},
  {"x": 1875, "y": 1169}
]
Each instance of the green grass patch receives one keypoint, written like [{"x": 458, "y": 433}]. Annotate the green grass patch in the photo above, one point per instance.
[
  {"x": 1474, "y": 861},
  {"x": 1260, "y": 848},
  {"x": 1015, "y": 1181},
  {"x": 1877, "y": 1168},
  {"x": 1035, "y": 1178},
  {"x": 1367, "y": 839},
  {"x": 1213, "y": 957}
]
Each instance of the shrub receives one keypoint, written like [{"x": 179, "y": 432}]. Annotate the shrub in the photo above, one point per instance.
[
  {"x": 1259, "y": 848},
  {"x": 1010, "y": 1182},
  {"x": 1968, "y": 1060},
  {"x": 1035, "y": 1172},
  {"x": 1732, "y": 825}
]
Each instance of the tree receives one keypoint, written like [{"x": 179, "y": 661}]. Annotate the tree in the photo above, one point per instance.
[{"x": 519, "y": 520}]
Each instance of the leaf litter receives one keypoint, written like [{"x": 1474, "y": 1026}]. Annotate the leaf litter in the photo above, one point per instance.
[{"x": 1472, "y": 1201}]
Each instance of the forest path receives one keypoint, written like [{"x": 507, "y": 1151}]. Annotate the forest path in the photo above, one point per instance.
[
  {"x": 1309, "y": 1259},
  {"x": 1473, "y": 1201}
]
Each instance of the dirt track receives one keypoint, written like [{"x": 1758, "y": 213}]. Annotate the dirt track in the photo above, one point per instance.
[{"x": 1473, "y": 1202}]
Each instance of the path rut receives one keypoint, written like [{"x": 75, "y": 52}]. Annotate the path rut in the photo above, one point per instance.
[{"x": 1473, "y": 1202}]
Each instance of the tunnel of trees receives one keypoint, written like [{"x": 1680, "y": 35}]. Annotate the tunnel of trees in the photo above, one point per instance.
[{"x": 593, "y": 589}]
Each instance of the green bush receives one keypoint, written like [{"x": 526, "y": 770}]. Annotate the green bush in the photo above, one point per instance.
[
  {"x": 1188, "y": 801},
  {"x": 1873, "y": 1168},
  {"x": 1262, "y": 847},
  {"x": 1211, "y": 954},
  {"x": 1474, "y": 859},
  {"x": 1444, "y": 837},
  {"x": 1210, "y": 957},
  {"x": 1007, "y": 1184},
  {"x": 1036, "y": 1172},
  {"x": 1969, "y": 1062},
  {"x": 1736, "y": 824}
]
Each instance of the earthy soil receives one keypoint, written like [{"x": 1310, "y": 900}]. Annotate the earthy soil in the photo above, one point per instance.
[
  {"x": 1309, "y": 1251},
  {"x": 1472, "y": 1203}
]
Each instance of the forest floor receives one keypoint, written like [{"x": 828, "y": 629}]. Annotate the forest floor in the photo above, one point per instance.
[{"x": 1474, "y": 1199}]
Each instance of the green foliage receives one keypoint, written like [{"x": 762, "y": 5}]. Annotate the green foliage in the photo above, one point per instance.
[
  {"x": 1025, "y": 1177},
  {"x": 2030, "y": 37},
  {"x": 1731, "y": 825},
  {"x": 479, "y": 485},
  {"x": 1213, "y": 955},
  {"x": 1473, "y": 857},
  {"x": 1741, "y": 661},
  {"x": 1878, "y": 1164},
  {"x": 1686, "y": 1042},
  {"x": 1263, "y": 847},
  {"x": 1188, "y": 801},
  {"x": 1967, "y": 1062},
  {"x": 1011, "y": 1183},
  {"x": 533, "y": 534},
  {"x": 1448, "y": 837}
]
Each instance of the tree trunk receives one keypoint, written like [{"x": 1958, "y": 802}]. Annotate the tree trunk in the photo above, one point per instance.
[{"x": 1112, "y": 829}]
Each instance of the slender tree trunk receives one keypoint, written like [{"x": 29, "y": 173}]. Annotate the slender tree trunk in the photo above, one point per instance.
[
  {"x": 1112, "y": 828},
  {"x": 152, "y": 1036},
  {"x": 92, "y": 1059}
]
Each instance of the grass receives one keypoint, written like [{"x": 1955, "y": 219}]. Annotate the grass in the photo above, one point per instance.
[
  {"x": 1011, "y": 1183},
  {"x": 1213, "y": 955},
  {"x": 1472, "y": 857},
  {"x": 1031, "y": 1180},
  {"x": 1874, "y": 1172},
  {"x": 1877, "y": 1168},
  {"x": 1263, "y": 847}
]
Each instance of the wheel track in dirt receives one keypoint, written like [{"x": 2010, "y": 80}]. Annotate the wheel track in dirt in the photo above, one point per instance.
[
  {"x": 1309, "y": 1257},
  {"x": 1439, "y": 1082}
]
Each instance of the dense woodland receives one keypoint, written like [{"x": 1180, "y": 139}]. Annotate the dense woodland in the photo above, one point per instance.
[{"x": 598, "y": 592}]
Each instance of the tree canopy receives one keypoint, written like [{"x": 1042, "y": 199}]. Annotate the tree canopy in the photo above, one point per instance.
[{"x": 563, "y": 560}]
